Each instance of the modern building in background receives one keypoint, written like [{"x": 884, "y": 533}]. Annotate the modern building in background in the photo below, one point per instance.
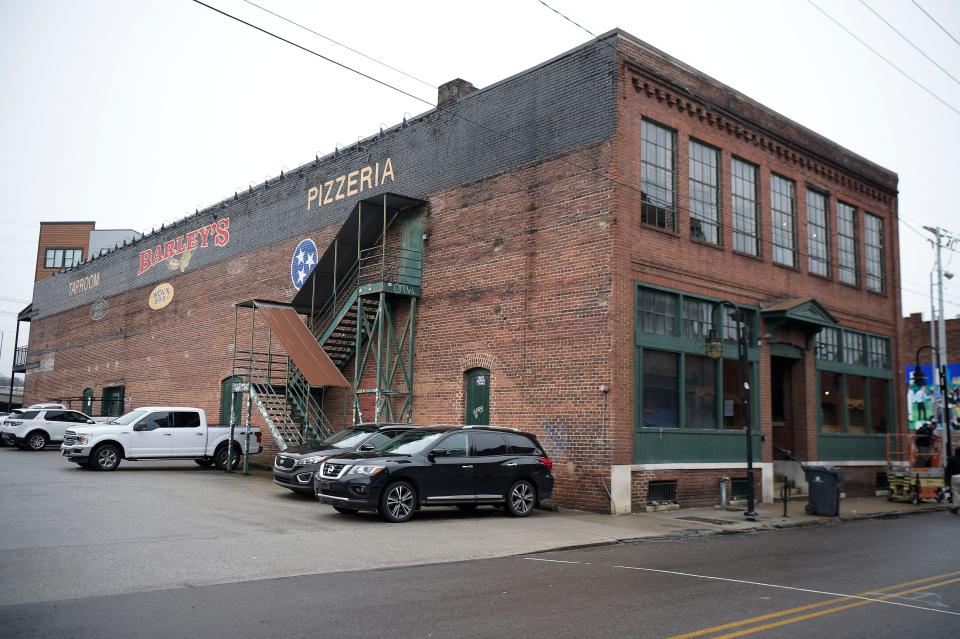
[{"x": 548, "y": 253}]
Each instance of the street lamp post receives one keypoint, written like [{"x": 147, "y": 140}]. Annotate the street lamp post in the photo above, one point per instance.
[
  {"x": 919, "y": 379},
  {"x": 715, "y": 351}
]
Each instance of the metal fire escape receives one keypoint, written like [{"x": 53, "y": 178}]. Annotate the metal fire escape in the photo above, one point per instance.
[
  {"x": 362, "y": 300},
  {"x": 360, "y": 305}
]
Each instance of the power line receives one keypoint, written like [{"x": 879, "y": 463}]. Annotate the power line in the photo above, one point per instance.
[
  {"x": 340, "y": 44},
  {"x": 880, "y": 55},
  {"x": 14, "y": 300},
  {"x": 312, "y": 52},
  {"x": 908, "y": 41},
  {"x": 567, "y": 18},
  {"x": 934, "y": 20}
]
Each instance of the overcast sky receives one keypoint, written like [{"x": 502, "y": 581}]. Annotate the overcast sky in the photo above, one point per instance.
[{"x": 133, "y": 114}]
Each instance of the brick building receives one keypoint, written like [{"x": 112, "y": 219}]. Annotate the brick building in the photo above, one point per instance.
[{"x": 547, "y": 253}]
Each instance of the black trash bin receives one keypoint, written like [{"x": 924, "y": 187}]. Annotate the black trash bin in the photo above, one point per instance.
[{"x": 824, "y": 485}]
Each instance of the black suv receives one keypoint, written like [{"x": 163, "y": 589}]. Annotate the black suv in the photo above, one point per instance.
[
  {"x": 295, "y": 466},
  {"x": 463, "y": 466}
]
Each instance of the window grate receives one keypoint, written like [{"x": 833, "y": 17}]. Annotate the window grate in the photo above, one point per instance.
[
  {"x": 662, "y": 491},
  {"x": 738, "y": 488},
  {"x": 882, "y": 483}
]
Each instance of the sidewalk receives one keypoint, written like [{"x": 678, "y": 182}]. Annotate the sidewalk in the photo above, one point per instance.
[{"x": 701, "y": 521}]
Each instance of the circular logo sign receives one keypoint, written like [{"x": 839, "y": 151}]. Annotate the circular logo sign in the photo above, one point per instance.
[
  {"x": 304, "y": 260},
  {"x": 161, "y": 296},
  {"x": 98, "y": 310}
]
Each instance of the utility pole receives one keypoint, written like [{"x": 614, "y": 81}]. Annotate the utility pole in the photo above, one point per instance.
[{"x": 942, "y": 239}]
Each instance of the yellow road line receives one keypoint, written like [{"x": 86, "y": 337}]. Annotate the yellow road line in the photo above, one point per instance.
[
  {"x": 820, "y": 613},
  {"x": 819, "y": 604}
]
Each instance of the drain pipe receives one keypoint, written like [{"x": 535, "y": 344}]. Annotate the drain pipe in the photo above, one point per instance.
[{"x": 723, "y": 491}]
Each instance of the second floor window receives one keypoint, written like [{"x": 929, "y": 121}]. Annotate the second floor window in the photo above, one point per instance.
[
  {"x": 743, "y": 182},
  {"x": 873, "y": 230},
  {"x": 783, "y": 208},
  {"x": 704, "y": 193},
  {"x": 62, "y": 257},
  {"x": 817, "y": 234},
  {"x": 656, "y": 176},
  {"x": 847, "y": 244}
]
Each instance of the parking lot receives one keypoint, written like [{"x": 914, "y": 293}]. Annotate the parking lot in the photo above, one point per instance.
[{"x": 67, "y": 532}]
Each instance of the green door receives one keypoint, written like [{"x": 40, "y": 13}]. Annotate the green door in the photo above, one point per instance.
[
  {"x": 231, "y": 401},
  {"x": 478, "y": 397},
  {"x": 87, "y": 407},
  {"x": 112, "y": 402},
  {"x": 411, "y": 250}
]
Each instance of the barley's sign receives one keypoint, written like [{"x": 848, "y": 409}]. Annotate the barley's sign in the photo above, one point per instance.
[{"x": 177, "y": 252}]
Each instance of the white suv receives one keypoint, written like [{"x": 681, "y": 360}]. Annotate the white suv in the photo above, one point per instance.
[{"x": 34, "y": 429}]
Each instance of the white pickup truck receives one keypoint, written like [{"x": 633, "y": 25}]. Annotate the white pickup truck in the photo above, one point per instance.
[{"x": 156, "y": 432}]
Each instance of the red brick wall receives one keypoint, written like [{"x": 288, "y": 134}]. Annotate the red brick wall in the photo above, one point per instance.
[
  {"x": 695, "y": 488},
  {"x": 916, "y": 333}
]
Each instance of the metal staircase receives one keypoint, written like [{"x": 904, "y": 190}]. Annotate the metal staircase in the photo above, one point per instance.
[{"x": 283, "y": 397}]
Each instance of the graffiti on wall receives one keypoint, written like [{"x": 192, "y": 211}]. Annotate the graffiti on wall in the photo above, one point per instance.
[
  {"x": 924, "y": 403},
  {"x": 554, "y": 437}
]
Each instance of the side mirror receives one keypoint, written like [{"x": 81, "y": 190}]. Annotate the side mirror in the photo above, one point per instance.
[
  {"x": 140, "y": 427},
  {"x": 367, "y": 447},
  {"x": 90, "y": 421},
  {"x": 432, "y": 456}
]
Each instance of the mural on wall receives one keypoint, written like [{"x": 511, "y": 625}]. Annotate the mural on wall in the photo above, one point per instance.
[
  {"x": 924, "y": 402},
  {"x": 304, "y": 260}
]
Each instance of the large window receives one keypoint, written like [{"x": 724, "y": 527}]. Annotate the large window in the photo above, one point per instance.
[
  {"x": 831, "y": 396},
  {"x": 657, "y": 176},
  {"x": 62, "y": 257},
  {"x": 854, "y": 377},
  {"x": 784, "y": 218},
  {"x": 700, "y": 392},
  {"x": 873, "y": 230},
  {"x": 704, "y": 193},
  {"x": 680, "y": 387},
  {"x": 661, "y": 389},
  {"x": 847, "y": 244},
  {"x": 697, "y": 320},
  {"x": 743, "y": 182},
  {"x": 657, "y": 312},
  {"x": 817, "y": 234}
]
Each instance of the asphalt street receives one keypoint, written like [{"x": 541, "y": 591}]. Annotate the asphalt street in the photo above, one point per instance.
[
  {"x": 171, "y": 550},
  {"x": 879, "y": 578}
]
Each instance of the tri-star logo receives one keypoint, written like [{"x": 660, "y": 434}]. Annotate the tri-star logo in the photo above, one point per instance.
[{"x": 304, "y": 260}]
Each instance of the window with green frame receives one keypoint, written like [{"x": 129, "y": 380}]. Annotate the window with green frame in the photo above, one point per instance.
[
  {"x": 853, "y": 382},
  {"x": 679, "y": 386}
]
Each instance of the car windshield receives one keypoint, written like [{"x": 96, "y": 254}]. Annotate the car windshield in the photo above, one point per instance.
[
  {"x": 130, "y": 417},
  {"x": 410, "y": 442},
  {"x": 347, "y": 438}
]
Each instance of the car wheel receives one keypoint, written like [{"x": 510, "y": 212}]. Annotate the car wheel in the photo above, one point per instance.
[
  {"x": 106, "y": 457},
  {"x": 521, "y": 498},
  {"x": 345, "y": 511},
  {"x": 398, "y": 502},
  {"x": 221, "y": 457},
  {"x": 37, "y": 440},
  {"x": 206, "y": 462}
]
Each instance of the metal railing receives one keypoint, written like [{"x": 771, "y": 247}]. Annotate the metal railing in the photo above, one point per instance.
[
  {"x": 324, "y": 314},
  {"x": 391, "y": 264},
  {"x": 20, "y": 356}
]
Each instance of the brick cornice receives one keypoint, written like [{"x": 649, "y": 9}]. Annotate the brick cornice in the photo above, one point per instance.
[{"x": 655, "y": 89}]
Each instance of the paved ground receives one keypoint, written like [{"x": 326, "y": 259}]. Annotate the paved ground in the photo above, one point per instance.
[
  {"x": 878, "y": 578},
  {"x": 67, "y": 533}
]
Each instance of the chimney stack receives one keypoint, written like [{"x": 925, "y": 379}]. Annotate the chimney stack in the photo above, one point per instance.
[{"x": 452, "y": 91}]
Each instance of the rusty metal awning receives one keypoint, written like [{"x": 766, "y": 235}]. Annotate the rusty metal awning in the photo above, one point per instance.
[{"x": 301, "y": 346}]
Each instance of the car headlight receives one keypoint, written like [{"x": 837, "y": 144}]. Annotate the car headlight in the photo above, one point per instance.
[
  {"x": 365, "y": 470},
  {"x": 82, "y": 440},
  {"x": 314, "y": 459}
]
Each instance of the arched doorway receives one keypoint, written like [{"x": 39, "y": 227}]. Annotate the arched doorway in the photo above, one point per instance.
[{"x": 477, "y": 394}]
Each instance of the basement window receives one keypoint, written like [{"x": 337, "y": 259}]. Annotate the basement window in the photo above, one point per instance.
[{"x": 662, "y": 491}]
